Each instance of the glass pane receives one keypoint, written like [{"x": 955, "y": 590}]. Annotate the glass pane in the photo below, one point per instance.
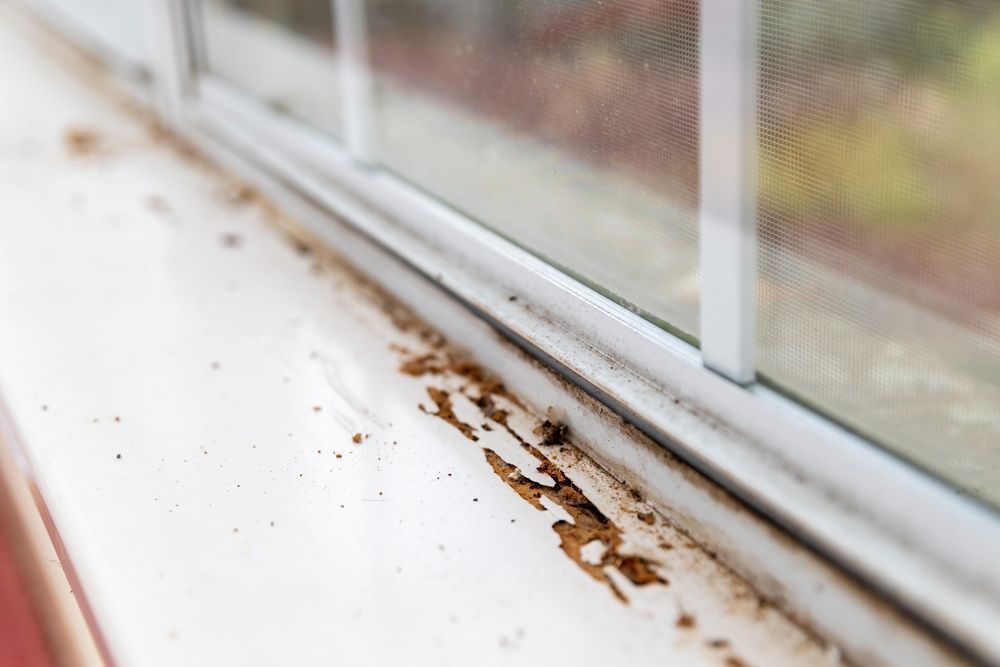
[
  {"x": 281, "y": 51},
  {"x": 880, "y": 222},
  {"x": 569, "y": 126},
  {"x": 118, "y": 25}
]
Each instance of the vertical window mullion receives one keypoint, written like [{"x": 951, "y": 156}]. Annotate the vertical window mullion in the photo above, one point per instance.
[
  {"x": 355, "y": 78},
  {"x": 728, "y": 186},
  {"x": 168, "y": 41}
]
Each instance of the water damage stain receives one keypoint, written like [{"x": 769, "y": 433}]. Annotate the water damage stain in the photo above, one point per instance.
[{"x": 588, "y": 525}]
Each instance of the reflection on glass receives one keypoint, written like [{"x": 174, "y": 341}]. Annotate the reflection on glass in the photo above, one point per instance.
[
  {"x": 281, "y": 51},
  {"x": 569, "y": 126},
  {"x": 880, "y": 222}
]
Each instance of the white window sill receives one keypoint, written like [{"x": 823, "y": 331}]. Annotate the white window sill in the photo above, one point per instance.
[{"x": 163, "y": 381}]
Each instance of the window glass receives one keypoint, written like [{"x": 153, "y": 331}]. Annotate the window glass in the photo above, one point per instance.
[
  {"x": 568, "y": 126},
  {"x": 119, "y": 25},
  {"x": 281, "y": 51},
  {"x": 879, "y": 218}
]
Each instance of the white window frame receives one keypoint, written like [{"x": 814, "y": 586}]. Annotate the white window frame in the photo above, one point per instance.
[{"x": 908, "y": 535}]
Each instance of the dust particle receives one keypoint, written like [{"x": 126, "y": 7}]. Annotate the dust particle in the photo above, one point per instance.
[
  {"x": 685, "y": 621},
  {"x": 553, "y": 433},
  {"x": 158, "y": 205},
  {"x": 241, "y": 195},
  {"x": 356, "y": 438},
  {"x": 646, "y": 517},
  {"x": 231, "y": 240},
  {"x": 82, "y": 141}
]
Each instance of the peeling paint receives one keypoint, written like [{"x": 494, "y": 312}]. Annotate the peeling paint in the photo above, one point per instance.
[
  {"x": 445, "y": 411},
  {"x": 588, "y": 524}
]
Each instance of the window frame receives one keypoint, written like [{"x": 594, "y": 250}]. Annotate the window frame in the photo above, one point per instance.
[{"x": 844, "y": 496}]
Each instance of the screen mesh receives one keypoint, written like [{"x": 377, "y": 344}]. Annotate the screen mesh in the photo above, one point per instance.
[
  {"x": 569, "y": 126},
  {"x": 879, "y": 222}
]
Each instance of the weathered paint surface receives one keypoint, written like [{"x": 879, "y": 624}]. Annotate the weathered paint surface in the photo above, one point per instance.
[{"x": 253, "y": 457}]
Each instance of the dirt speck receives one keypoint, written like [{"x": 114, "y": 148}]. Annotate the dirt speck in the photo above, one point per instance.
[
  {"x": 646, "y": 517},
  {"x": 82, "y": 141},
  {"x": 158, "y": 205},
  {"x": 686, "y": 621},
  {"x": 552, "y": 433},
  {"x": 733, "y": 661},
  {"x": 231, "y": 240},
  {"x": 317, "y": 408},
  {"x": 300, "y": 246},
  {"x": 118, "y": 456},
  {"x": 717, "y": 643},
  {"x": 118, "y": 419},
  {"x": 356, "y": 438},
  {"x": 241, "y": 194}
]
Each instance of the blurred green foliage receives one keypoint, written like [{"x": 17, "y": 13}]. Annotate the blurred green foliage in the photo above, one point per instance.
[{"x": 882, "y": 116}]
